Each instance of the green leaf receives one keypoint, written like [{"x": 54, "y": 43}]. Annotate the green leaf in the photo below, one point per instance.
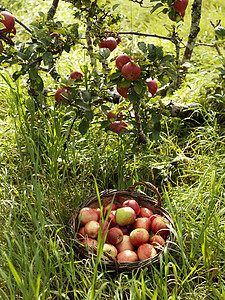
[
  {"x": 138, "y": 87},
  {"x": 220, "y": 31},
  {"x": 104, "y": 52},
  {"x": 157, "y": 5},
  {"x": 83, "y": 126},
  {"x": 37, "y": 84},
  {"x": 132, "y": 95},
  {"x": 47, "y": 58},
  {"x": 89, "y": 115},
  {"x": 115, "y": 74},
  {"x": 159, "y": 52},
  {"x": 142, "y": 46},
  {"x": 105, "y": 108},
  {"x": 151, "y": 52},
  {"x": 82, "y": 104},
  {"x": 86, "y": 95},
  {"x": 33, "y": 73}
]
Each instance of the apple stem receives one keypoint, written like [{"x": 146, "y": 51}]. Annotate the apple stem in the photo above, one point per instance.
[{"x": 142, "y": 137}]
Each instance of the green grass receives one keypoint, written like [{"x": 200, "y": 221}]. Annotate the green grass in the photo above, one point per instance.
[{"x": 41, "y": 184}]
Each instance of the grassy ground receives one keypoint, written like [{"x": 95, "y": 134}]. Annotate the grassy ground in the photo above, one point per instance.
[{"x": 42, "y": 183}]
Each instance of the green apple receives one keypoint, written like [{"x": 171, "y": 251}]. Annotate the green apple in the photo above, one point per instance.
[{"x": 125, "y": 216}]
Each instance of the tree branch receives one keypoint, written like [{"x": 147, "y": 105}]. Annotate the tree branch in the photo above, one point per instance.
[
  {"x": 52, "y": 10},
  {"x": 196, "y": 17}
]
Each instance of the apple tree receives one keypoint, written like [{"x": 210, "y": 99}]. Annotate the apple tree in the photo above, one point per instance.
[{"x": 132, "y": 81}]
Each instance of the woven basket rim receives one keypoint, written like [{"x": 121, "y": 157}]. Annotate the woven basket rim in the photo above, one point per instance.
[{"x": 155, "y": 203}]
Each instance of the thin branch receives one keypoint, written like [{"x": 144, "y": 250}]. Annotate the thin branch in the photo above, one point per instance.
[{"x": 147, "y": 35}]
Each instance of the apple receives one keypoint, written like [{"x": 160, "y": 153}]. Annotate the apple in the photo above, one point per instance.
[
  {"x": 180, "y": 5},
  {"x": 8, "y": 21},
  {"x": 62, "y": 94},
  {"x": 125, "y": 244},
  {"x": 145, "y": 212},
  {"x": 98, "y": 211},
  {"x": 81, "y": 233},
  {"x": 121, "y": 60},
  {"x": 157, "y": 241},
  {"x": 91, "y": 244},
  {"x": 91, "y": 228},
  {"x": 54, "y": 34},
  {"x": 131, "y": 71},
  {"x": 142, "y": 222},
  {"x": 123, "y": 91},
  {"x": 109, "y": 43},
  {"x": 118, "y": 126},
  {"x": 152, "y": 86},
  {"x": 110, "y": 206},
  {"x": 76, "y": 75},
  {"x": 114, "y": 236},
  {"x": 111, "y": 116},
  {"x": 159, "y": 225},
  {"x": 125, "y": 216},
  {"x": 139, "y": 236},
  {"x": 87, "y": 214},
  {"x": 110, "y": 249},
  {"x": 1, "y": 47},
  {"x": 112, "y": 218},
  {"x": 105, "y": 226},
  {"x": 146, "y": 251},
  {"x": 127, "y": 256},
  {"x": 125, "y": 229},
  {"x": 133, "y": 204}
]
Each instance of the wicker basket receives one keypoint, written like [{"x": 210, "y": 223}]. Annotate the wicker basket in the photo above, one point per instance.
[{"x": 119, "y": 197}]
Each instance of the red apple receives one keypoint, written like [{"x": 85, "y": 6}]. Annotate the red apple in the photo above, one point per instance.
[
  {"x": 114, "y": 236},
  {"x": 105, "y": 226},
  {"x": 142, "y": 222},
  {"x": 125, "y": 244},
  {"x": 125, "y": 229},
  {"x": 54, "y": 34},
  {"x": 157, "y": 241},
  {"x": 180, "y": 5},
  {"x": 91, "y": 244},
  {"x": 91, "y": 228},
  {"x": 139, "y": 236},
  {"x": 1, "y": 47},
  {"x": 152, "y": 86},
  {"x": 131, "y": 71},
  {"x": 112, "y": 218},
  {"x": 123, "y": 91},
  {"x": 146, "y": 251},
  {"x": 127, "y": 256},
  {"x": 121, "y": 60},
  {"x": 133, "y": 204},
  {"x": 98, "y": 211},
  {"x": 125, "y": 216},
  {"x": 62, "y": 94},
  {"x": 81, "y": 233},
  {"x": 118, "y": 126},
  {"x": 145, "y": 212},
  {"x": 110, "y": 249},
  {"x": 110, "y": 206},
  {"x": 76, "y": 75},
  {"x": 87, "y": 214},
  {"x": 109, "y": 43},
  {"x": 111, "y": 116},
  {"x": 8, "y": 21},
  {"x": 160, "y": 226}
]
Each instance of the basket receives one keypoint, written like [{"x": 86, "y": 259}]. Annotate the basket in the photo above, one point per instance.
[{"x": 118, "y": 197}]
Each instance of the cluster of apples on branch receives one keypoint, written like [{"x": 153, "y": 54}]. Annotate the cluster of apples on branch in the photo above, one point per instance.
[
  {"x": 129, "y": 232},
  {"x": 180, "y": 8},
  {"x": 7, "y": 29}
]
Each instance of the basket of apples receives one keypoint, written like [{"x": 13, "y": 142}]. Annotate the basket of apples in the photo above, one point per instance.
[{"x": 128, "y": 229}]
